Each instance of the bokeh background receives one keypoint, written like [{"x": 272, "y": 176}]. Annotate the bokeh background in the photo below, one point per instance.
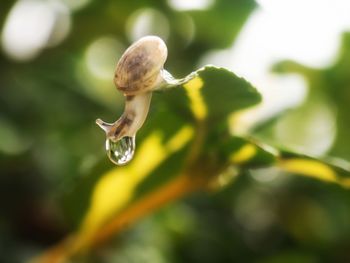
[{"x": 57, "y": 61}]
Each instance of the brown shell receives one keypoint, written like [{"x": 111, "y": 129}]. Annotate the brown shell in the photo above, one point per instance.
[{"x": 139, "y": 67}]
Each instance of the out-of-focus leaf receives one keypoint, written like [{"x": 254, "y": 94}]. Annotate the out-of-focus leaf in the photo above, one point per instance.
[
  {"x": 329, "y": 170},
  {"x": 332, "y": 85},
  {"x": 247, "y": 153},
  {"x": 117, "y": 187},
  {"x": 251, "y": 154}
]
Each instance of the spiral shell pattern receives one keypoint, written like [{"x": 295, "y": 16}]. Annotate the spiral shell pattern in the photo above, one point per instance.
[{"x": 138, "y": 70}]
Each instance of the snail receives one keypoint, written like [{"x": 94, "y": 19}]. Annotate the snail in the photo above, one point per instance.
[{"x": 138, "y": 73}]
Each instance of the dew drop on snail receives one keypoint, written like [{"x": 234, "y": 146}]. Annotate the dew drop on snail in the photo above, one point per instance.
[{"x": 122, "y": 151}]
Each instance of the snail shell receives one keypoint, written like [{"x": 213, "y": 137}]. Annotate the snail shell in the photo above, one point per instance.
[{"x": 138, "y": 70}]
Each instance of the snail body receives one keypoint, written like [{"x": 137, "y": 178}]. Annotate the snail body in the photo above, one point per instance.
[{"x": 138, "y": 73}]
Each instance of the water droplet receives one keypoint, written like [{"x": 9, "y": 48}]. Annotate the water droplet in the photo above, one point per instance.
[{"x": 121, "y": 151}]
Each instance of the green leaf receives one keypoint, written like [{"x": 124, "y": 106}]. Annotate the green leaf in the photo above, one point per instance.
[
  {"x": 325, "y": 169},
  {"x": 251, "y": 154},
  {"x": 212, "y": 94}
]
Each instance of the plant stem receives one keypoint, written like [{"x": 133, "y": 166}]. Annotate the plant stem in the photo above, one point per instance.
[{"x": 173, "y": 190}]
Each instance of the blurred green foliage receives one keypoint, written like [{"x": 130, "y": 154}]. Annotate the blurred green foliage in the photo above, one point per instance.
[
  {"x": 51, "y": 153},
  {"x": 331, "y": 86}
]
